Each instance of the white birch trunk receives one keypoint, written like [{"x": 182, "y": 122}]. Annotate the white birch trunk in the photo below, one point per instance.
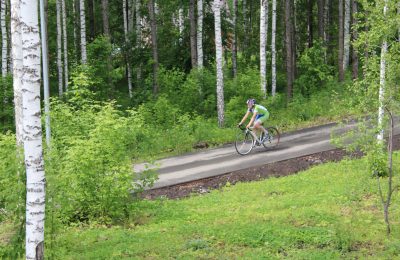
[
  {"x": 200, "y": 33},
  {"x": 347, "y": 11},
  {"x": 16, "y": 52},
  {"x": 59, "y": 50},
  {"x": 4, "y": 40},
  {"x": 138, "y": 39},
  {"x": 263, "y": 62},
  {"x": 65, "y": 39},
  {"x": 273, "y": 48},
  {"x": 83, "y": 31},
  {"x": 218, "y": 50},
  {"x": 32, "y": 130},
  {"x": 180, "y": 24},
  {"x": 74, "y": 17},
  {"x": 382, "y": 83},
  {"x": 127, "y": 43}
]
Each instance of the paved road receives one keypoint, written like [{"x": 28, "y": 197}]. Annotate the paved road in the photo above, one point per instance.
[{"x": 213, "y": 162}]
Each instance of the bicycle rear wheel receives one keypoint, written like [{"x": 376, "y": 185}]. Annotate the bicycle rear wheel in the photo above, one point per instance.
[
  {"x": 273, "y": 138},
  {"x": 244, "y": 143}
]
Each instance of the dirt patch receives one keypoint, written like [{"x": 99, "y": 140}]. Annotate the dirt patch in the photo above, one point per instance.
[{"x": 276, "y": 169}]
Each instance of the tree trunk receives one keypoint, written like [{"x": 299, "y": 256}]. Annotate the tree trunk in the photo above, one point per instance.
[
  {"x": 4, "y": 40},
  {"x": 218, "y": 51},
  {"x": 75, "y": 19},
  {"x": 200, "y": 33},
  {"x": 130, "y": 15},
  {"x": 92, "y": 25},
  {"x": 138, "y": 42},
  {"x": 32, "y": 129},
  {"x": 346, "y": 35},
  {"x": 193, "y": 51},
  {"x": 326, "y": 34},
  {"x": 83, "y": 31},
  {"x": 64, "y": 25},
  {"x": 382, "y": 83},
  {"x": 341, "y": 47},
  {"x": 16, "y": 52},
  {"x": 180, "y": 24},
  {"x": 310, "y": 4},
  {"x": 234, "y": 41},
  {"x": 355, "y": 37},
  {"x": 321, "y": 5},
  {"x": 263, "y": 41},
  {"x": 245, "y": 29},
  {"x": 154, "y": 45},
  {"x": 273, "y": 48},
  {"x": 59, "y": 49},
  {"x": 106, "y": 27},
  {"x": 289, "y": 48},
  {"x": 128, "y": 66}
]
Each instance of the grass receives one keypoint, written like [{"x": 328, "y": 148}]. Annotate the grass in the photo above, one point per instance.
[{"x": 331, "y": 211}]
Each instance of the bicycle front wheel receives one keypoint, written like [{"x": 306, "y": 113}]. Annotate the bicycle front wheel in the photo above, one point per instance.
[
  {"x": 273, "y": 138},
  {"x": 244, "y": 143}
]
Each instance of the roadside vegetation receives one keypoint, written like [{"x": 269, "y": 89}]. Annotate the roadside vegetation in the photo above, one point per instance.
[{"x": 331, "y": 211}]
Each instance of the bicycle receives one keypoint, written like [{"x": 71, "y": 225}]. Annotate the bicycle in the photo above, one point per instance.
[{"x": 247, "y": 140}]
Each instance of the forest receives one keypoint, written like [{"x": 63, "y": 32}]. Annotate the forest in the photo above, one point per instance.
[{"x": 90, "y": 87}]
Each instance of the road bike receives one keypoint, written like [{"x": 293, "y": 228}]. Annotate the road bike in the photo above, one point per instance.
[{"x": 247, "y": 139}]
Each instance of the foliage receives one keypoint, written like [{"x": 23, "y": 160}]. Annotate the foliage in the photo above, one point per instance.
[
  {"x": 313, "y": 70},
  {"x": 12, "y": 195},
  {"x": 6, "y": 107},
  {"x": 321, "y": 213}
]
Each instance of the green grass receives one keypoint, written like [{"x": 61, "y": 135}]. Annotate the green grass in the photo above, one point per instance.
[{"x": 331, "y": 211}]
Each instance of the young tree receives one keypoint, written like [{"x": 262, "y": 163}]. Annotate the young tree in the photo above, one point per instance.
[
  {"x": 83, "y": 31},
  {"x": 193, "y": 41},
  {"x": 64, "y": 26},
  {"x": 128, "y": 66},
  {"x": 273, "y": 48},
  {"x": 263, "y": 41},
  {"x": 200, "y": 33},
  {"x": 59, "y": 50},
  {"x": 27, "y": 71},
  {"x": 4, "y": 39},
  {"x": 382, "y": 82},
  {"x": 218, "y": 51},
  {"x": 154, "y": 45}
]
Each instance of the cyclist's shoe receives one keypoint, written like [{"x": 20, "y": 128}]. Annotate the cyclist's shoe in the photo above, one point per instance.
[{"x": 267, "y": 138}]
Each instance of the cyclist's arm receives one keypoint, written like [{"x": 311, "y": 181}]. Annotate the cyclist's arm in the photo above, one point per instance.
[
  {"x": 245, "y": 117},
  {"x": 252, "y": 120}
]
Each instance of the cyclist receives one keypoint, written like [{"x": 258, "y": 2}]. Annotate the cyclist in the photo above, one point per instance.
[{"x": 260, "y": 115}]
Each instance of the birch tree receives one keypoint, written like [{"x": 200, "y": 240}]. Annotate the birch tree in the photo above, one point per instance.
[
  {"x": 289, "y": 49},
  {"x": 83, "y": 31},
  {"x": 218, "y": 50},
  {"x": 200, "y": 33},
  {"x": 65, "y": 42},
  {"x": 382, "y": 77},
  {"x": 346, "y": 57},
  {"x": 263, "y": 40},
  {"x": 273, "y": 48},
  {"x": 59, "y": 49},
  {"x": 128, "y": 66},
  {"x": 4, "y": 39},
  {"x": 355, "y": 36},
  {"x": 29, "y": 49}
]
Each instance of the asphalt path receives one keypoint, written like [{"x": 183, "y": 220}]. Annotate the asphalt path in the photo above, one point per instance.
[{"x": 213, "y": 162}]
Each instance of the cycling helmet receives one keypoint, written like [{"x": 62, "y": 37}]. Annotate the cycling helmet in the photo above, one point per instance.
[{"x": 251, "y": 101}]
